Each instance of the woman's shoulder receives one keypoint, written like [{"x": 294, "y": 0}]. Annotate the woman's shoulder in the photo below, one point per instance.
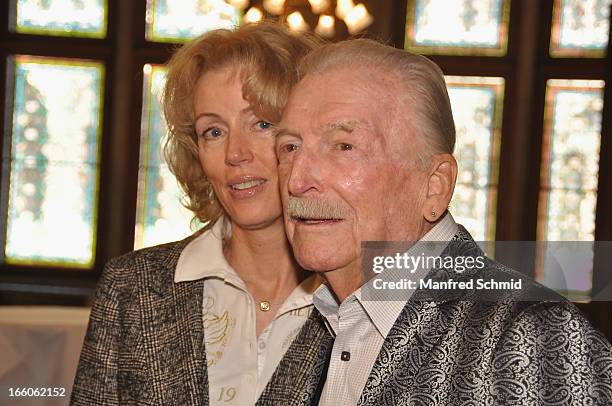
[
  {"x": 158, "y": 256},
  {"x": 152, "y": 267}
]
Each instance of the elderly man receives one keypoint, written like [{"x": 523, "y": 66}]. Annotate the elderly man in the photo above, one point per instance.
[{"x": 365, "y": 154}]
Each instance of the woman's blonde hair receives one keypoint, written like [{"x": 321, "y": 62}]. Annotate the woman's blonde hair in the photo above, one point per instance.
[{"x": 265, "y": 58}]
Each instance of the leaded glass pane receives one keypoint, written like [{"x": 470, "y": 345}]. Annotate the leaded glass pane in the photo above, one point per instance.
[
  {"x": 160, "y": 216},
  {"x": 53, "y": 161},
  {"x": 570, "y": 165},
  {"x": 580, "y": 28},
  {"x": 477, "y": 110},
  {"x": 74, "y": 18},
  {"x": 461, "y": 27},
  {"x": 180, "y": 20}
]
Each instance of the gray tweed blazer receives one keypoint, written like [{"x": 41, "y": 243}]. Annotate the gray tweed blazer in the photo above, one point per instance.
[
  {"x": 467, "y": 351},
  {"x": 145, "y": 341}
]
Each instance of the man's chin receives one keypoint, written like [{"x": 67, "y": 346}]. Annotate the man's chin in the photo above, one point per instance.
[
  {"x": 320, "y": 259},
  {"x": 317, "y": 267},
  {"x": 322, "y": 252}
]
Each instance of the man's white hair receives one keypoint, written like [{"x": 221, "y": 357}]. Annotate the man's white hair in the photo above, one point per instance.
[{"x": 420, "y": 82}]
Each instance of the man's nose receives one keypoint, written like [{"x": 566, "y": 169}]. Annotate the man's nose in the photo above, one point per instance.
[
  {"x": 305, "y": 175},
  {"x": 238, "y": 149}
]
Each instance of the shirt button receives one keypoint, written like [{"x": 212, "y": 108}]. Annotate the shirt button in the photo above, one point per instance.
[
  {"x": 345, "y": 356},
  {"x": 262, "y": 345}
]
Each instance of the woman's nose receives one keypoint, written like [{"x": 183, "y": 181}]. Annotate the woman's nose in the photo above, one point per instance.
[{"x": 238, "y": 150}]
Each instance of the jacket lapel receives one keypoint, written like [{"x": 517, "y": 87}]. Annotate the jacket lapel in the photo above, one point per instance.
[
  {"x": 299, "y": 377},
  {"x": 406, "y": 349},
  {"x": 171, "y": 315},
  {"x": 190, "y": 330}
]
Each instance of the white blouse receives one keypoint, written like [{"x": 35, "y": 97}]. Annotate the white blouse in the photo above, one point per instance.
[{"x": 239, "y": 363}]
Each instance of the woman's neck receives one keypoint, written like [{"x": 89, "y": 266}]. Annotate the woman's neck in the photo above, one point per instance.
[{"x": 263, "y": 260}]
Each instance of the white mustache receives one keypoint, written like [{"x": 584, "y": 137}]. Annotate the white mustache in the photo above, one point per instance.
[{"x": 314, "y": 209}]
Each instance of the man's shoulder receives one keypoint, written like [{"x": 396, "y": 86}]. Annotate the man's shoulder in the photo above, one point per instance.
[
  {"x": 533, "y": 310},
  {"x": 516, "y": 300},
  {"x": 532, "y": 301},
  {"x": 555, "y": 319},
  {"x": 530, "y": 290}
]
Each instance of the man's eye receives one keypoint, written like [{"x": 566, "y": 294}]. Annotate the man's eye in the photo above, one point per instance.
[
  {"x": 212, "y": 133},
  {"x": 343, "y": 146},
  {"x": 263, "y": 125},
  {"x": 288, "y": 148}
]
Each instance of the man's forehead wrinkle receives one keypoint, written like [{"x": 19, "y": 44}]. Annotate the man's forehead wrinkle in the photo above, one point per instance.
[
  {"x": 347, "y": 105},
  {"x": 347, "y": 125}
]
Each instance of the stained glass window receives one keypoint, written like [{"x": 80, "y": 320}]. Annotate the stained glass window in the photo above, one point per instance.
[
  {"x": 160, "y": 216},
  {"x": 461, "y": 27},
  {"x": 570, "y": 166},
  {"x": 53, "y": 162},
  {"x": 78, "y": 18},
  {"x": 180, "y": 20},
  {"x": 477, "y": 110},
  {"x": 580, "y": 28},
  {"x": 570, "y": 161}
]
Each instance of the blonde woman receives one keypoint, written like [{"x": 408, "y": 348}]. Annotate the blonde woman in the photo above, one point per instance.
[{"x": 206, "y": 320}]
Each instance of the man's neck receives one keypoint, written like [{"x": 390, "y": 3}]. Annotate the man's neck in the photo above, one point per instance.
[{"x": 345, "y": 281}]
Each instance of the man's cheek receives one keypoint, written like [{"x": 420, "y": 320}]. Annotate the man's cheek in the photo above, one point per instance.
[
  {"x": 356, "y": 178},
  {"x": 367, "y": 187}
]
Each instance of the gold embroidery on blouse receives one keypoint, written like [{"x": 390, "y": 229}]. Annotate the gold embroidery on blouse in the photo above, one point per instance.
[{"x": 217, "y": 331}]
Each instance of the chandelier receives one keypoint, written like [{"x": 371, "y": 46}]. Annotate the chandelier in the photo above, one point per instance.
[{"x": 355, "y": 16}]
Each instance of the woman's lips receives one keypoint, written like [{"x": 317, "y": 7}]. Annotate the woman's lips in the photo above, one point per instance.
[{"x": 246, "y": 187}]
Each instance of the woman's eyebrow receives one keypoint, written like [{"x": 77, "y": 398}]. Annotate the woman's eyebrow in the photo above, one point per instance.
[{"x": 206, "y": 114}]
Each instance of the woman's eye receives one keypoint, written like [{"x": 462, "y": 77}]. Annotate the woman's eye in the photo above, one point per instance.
[
  {"x": 343, "y": 146},
  {"x": 212, "y": 133},
  {"x": 263, "y": 125}
]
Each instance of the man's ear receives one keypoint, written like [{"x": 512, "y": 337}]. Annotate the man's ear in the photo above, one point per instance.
[{"x": 440, "y": 186}]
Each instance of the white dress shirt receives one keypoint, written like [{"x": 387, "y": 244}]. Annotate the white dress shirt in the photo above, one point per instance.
[
  {"x": 239, "y": 363},
  {"x": 360, "y": 328}
]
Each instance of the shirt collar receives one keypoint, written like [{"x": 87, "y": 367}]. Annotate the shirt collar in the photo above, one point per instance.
[
  {"x": 445, "y": 230},
  {"x": 382, "y": 313},
  {"x": 203, "y": 257},
  {"x": 326, "y": 303}
]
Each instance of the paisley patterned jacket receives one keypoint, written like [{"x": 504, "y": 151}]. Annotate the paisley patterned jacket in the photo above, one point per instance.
[
  {"x": 465, "y": 351},
  {"x": 145, "y": 341}
]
